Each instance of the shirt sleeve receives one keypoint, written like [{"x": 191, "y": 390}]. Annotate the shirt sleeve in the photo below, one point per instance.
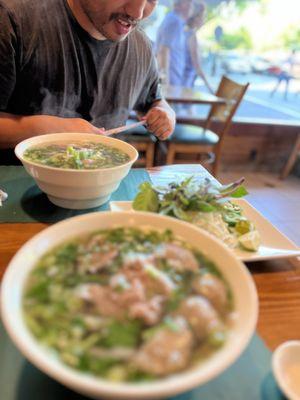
[
  {"x": 8, "y": 52},
  {"x": 152, "y": 89}
]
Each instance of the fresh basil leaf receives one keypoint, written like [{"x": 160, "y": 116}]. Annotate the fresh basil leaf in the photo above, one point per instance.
[
  {"x": 167, "y": 210},
  {"x": 180, "y": 214},
  {"x": 241, "y": 191},
  {"x": 146, "y": 199},
  {"x": 145, "y": 186},
  {"x": 184, "y": 200},
  {"x": 205, "y": 207},
  {"x": 229, "y": 188}
]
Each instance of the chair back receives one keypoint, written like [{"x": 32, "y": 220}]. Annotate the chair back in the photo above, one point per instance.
[{"x": 234, "y": 93}]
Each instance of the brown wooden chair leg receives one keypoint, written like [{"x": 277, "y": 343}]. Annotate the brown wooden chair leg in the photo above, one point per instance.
[
  {"x": 150, "y": 155},
  {"x": 171, "y": 154},
  {"x": 215, "y": 168},
  {"x": 216, "y": 163},
  {"x": 142, "y": 150},
  {"x": 291, "y": 160}
]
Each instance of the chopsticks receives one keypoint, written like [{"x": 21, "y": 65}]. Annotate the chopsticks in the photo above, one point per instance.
[{"x": 124, "y": 128}]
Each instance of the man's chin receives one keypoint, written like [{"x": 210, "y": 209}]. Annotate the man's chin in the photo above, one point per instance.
[
  {"x": 116, "y": 38},
  {"x": 114, "y": 34}
]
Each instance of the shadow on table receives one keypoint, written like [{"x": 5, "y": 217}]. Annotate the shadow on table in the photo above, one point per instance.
[
  {"x": 270, "y": 390},
  {"x": 37, "y": 205},
  {"x": 34, "y": 385}
]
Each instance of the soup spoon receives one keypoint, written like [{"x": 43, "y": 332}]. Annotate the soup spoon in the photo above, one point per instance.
[{"x": 286, "y": 368}]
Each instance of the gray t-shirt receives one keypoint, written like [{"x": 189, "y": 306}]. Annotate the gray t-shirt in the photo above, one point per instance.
[{"x": 50, "y": 65}]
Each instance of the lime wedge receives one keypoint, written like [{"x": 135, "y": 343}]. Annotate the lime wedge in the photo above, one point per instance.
[
  {"x": 243, "y": 226},
  {"x": 250, "y": 241}
]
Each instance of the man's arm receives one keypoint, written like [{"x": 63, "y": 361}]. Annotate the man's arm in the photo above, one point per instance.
[
  {"x": 15, "y": 128},
  {"x": 163, "y": 60}
]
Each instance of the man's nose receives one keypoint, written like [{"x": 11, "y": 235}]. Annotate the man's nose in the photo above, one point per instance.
[{"x": 135, "y": 8}]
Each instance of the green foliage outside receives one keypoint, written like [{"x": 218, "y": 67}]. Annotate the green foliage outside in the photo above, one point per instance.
[
  {"x": 223, "y": 11},
  {"x": 240, "y": 31},
  {"x": 237, "y": 40},
  {"x": 291, "y": 38}
]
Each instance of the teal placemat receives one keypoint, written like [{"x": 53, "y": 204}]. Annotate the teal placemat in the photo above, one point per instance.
[
  {"x": 250, "y": 378},
  {"x": 26, "y": 202}
]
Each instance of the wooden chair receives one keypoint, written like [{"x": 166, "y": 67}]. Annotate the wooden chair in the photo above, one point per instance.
[
  {"x": 143, "y": 141},
  {"x": 191, "y": 139},
  {"x": 292, "y": 159}
]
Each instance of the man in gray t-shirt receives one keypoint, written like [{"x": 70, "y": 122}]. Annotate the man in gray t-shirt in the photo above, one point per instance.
[{"x": 76, "y": 65}]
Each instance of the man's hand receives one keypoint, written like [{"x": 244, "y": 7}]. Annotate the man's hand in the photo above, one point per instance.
[
  {"x": 57, "y": 124},
  {"x": 161, "y": 120}
]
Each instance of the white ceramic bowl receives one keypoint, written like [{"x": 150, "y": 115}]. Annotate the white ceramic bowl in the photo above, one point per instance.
[
  {"x": 238, "y": 277},
  {"x": 286, "y": 368},
  {"x": 72, "y": 188}
]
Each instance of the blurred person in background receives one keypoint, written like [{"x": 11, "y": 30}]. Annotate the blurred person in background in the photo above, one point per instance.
[
  {"x": 284, "y": 74},
  {"x": 77, "y": 66},
  {"x": 193, "y": 62},
  {"x": 171, "y": 43}
]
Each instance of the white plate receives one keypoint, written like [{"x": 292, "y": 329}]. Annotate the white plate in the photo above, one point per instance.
[{"x": 274, "y": 243}]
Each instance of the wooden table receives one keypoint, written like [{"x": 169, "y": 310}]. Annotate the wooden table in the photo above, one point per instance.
[
  {"x": 277, "y": 282},
  {"x": 180, "y": 94}
]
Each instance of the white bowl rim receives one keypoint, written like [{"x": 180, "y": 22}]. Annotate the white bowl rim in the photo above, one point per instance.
[
  {"x": 19, "y": 154},
  {"x": 183, "y": 381},
  {"x": 277, "y": 367}
]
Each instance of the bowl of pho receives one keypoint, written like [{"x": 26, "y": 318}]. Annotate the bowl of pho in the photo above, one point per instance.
[
  {"x": 128, "y": 305},
  {"x": 76, "y": 170}
]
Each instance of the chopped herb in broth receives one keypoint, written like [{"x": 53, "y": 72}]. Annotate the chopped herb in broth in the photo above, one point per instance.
[
  {"x": 128, "y": 304},
  {"x": 83, "y": 155}
]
